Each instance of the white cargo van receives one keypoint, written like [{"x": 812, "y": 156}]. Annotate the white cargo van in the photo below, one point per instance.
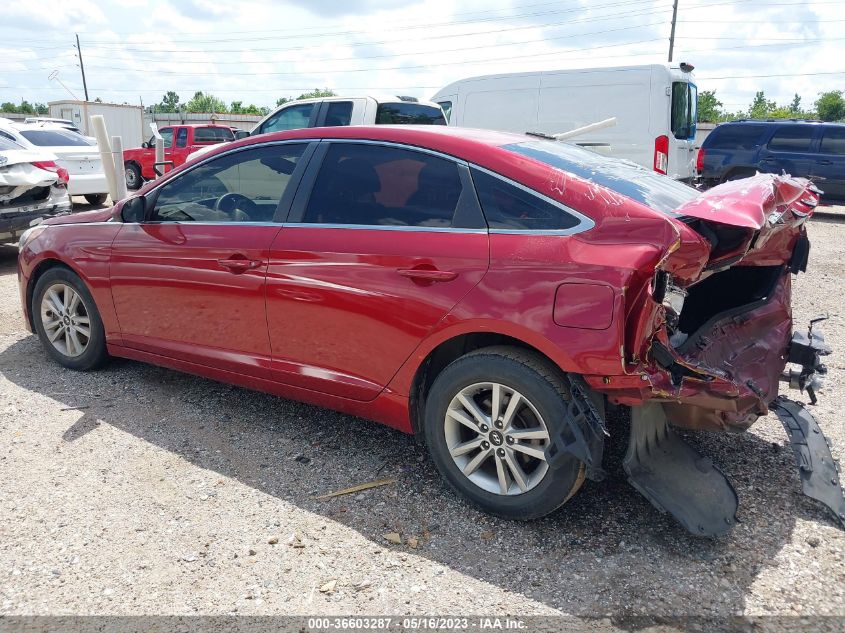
[{"x": 654, "y": 105}]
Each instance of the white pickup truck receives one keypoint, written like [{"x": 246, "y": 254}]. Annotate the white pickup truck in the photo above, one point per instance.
[{"x": 340, "y": 111}]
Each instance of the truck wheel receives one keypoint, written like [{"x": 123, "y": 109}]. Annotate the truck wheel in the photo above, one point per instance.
[
  {"x": 133, "y": 176},
  {"x": 67, "y": 321},
  {"x": 96, "y": 198},
  {"x": 489, "y": 417}
]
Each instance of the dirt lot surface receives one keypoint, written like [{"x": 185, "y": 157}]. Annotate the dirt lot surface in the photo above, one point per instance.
[{"x": 136, "y": 490}]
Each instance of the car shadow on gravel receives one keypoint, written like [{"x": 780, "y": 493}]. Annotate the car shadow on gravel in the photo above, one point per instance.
[{"x": 608, "y": 551}]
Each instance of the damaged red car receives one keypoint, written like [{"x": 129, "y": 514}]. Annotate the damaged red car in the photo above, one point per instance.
[{"x": 492, "y": 293}]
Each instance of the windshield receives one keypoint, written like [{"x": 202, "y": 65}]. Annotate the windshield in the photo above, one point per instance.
[
  {"x": 684, "y": 109},
  {"x": 629, "y": 179}
]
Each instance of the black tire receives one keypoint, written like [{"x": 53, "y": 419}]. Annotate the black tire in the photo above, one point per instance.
[
  {"x": 739, "y": 174},
  {"x": 544, "y": 386},
  {"x": 132, "y": 173},
  {"x": 94, "y": 353},
  {"x": 96, "y": 198}
]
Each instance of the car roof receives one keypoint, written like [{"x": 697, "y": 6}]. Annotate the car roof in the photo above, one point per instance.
[{"x": 778, "y": 122}]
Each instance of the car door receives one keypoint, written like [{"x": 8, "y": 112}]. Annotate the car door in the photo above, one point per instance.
[
  {"x": 789, "y": 150},
  {"x": 178, "y": 153},
  {"x": 188, "y": 282},
  {"x": 829, "y": 169},
  {"x": 382, "y": 242}
]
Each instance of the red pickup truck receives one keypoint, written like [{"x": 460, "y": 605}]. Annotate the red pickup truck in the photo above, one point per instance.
[{"x": 179, "y": 142}]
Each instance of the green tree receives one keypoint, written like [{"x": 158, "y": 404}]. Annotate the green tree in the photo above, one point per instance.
[
  {"x": 831, "y": 106},
  {"x": 205, "y": 103},
  {"x": 169, "y": 102},
  {"x": 709, "y": 107},
  {"x": 8, "y": 106},
  {"x": 317, "y": 93},
  {"x": 795, "y": 106},
  {"x": 761, "y": 108},
  {"x": 282, "y": 101}
]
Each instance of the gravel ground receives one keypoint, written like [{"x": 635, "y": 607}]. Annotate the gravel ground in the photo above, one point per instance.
[{"x": 138, "y": 490}]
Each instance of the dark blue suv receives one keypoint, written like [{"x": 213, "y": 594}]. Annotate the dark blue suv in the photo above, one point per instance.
[{"x": 801, "y": 148}]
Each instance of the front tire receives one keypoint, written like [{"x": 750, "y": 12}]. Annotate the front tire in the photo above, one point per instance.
[
  {"x": 133, "y": 176},
  {"x": 488, "y": 418},
  {"x": 67, "y": 321}
]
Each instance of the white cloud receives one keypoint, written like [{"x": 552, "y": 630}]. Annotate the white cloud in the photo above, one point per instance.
[{"x": 257, "y": 51}]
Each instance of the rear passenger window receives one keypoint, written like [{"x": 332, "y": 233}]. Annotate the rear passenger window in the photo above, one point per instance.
[
  {"x": 384, "y": 186},
  {"x": 833, "y": 141},
  {"x": 508, "y": 207},
  {"x": 793, "y": 138},
  {"x": 339, "y": 113},
  {"x": 735, "y": 137},
  {"x": 182, "y": 137}
]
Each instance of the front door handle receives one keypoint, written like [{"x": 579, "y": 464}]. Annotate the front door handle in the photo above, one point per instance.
[
  {"x": 238, "y": 264},
  {"x": 427, "y": 274},
  {"x": 825, "y": 162}
]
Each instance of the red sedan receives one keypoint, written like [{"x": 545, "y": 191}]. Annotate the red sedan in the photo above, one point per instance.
[{"x": 491, "y": 292}]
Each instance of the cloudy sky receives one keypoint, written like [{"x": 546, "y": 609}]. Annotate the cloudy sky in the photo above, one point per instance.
[{"x": 256, "y": 52}]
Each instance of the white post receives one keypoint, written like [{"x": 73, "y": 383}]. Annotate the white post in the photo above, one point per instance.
[
  {"x": 120, "y": 177},
  {"x": 100, "y": 133},
  {"x": 159, "y": 149}
]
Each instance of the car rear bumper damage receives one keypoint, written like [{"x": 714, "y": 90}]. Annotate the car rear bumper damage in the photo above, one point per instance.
[{"x": 709, "y": 341}]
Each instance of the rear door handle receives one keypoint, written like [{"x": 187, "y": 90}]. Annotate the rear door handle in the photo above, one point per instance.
[
  {"x": 825, "y": 162},
  {"x": 427, "y": 274},
  {"x": 239, "y": 264}
]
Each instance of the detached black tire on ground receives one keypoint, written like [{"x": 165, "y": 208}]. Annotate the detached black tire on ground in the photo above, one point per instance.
[
  {"x": 539, "y": 382},
  {"x": 94, "y": 352}
]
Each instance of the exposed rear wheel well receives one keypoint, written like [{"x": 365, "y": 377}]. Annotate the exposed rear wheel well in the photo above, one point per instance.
[
  {"x": 42, "y": 268},
  {"x": 443, "y": 355}
]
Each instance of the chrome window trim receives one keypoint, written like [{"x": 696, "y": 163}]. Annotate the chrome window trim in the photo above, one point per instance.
[
  {"x": 584, "y": 223},
  {"x": 382, "y": 227},
  {"x": 397, "y": 145}
]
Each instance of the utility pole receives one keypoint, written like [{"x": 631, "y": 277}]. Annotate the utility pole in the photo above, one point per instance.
[
  {"x": 671, "y": 35},
  {"x": 85, "y": 85}
]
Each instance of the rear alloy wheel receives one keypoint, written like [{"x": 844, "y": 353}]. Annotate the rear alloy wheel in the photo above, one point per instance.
[
  {"x": 95, "y": 198},
  {"x": 489, "y": 418},
  {"x": 133, "y": 176},
  {"x": 66, "y": 320}
]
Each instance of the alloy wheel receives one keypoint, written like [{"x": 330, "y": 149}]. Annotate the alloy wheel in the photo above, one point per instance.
[
  {"x": 497, "y": 438},
  {"x": 66, "y": 320}
]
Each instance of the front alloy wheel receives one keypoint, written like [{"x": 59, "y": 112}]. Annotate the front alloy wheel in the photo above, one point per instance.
[
  {"x": 66, "y": 320},
  {"x": 489, "y": 418}
]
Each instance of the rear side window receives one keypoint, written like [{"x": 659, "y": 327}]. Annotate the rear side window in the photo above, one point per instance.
[
  {"x": 507, "y": 207},
  {"x": 384, "y": 186},
  {"x": 447, "y": 109},
  {"x": 406, "y": 113},
  {"x": 7, "y": 143},
  {"x": 55, "y": 138},
  {"x": 833, "y": 141},
  {"x": 792, "y": 138},
  {"x": 339, "y": 113},
  {"x": 182, "y": 137},
  {"x": 745, "y": 137},
  {"x": 211, "y": 135}
]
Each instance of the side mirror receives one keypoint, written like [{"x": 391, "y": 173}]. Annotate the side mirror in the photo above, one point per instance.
[
  {"x": 145, "y": 145},
  {"x": 134, "y": 210}
]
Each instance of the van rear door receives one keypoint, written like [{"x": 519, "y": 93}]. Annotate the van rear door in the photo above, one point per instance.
[{"x": 683, "y": 115}]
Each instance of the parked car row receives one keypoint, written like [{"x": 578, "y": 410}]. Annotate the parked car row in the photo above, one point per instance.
[{"x": 809, "y": 149}]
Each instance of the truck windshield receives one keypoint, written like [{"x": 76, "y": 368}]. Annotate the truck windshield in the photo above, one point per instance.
[
  {"x": 684, "y": 109},
  {"x": 656, "y": 191}
]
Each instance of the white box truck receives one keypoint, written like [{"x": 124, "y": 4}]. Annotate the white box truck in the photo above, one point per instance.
[{"x": 654, "y": 105}]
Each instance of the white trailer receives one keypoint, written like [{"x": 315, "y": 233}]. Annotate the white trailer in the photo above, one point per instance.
[
  {"x": 121, "y": 120},
  {"x": 654, "y": 106}
]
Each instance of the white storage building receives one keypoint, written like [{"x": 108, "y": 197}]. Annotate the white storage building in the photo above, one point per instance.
[{"x": 126, "y": 121}]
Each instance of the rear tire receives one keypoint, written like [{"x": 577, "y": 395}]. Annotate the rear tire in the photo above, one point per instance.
[
  {"x": 96, "y": 198},
  {"x": 495, "y": 460},
  {"x": 67, "y": 321},
  {"x": 133, "y": 176}
]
